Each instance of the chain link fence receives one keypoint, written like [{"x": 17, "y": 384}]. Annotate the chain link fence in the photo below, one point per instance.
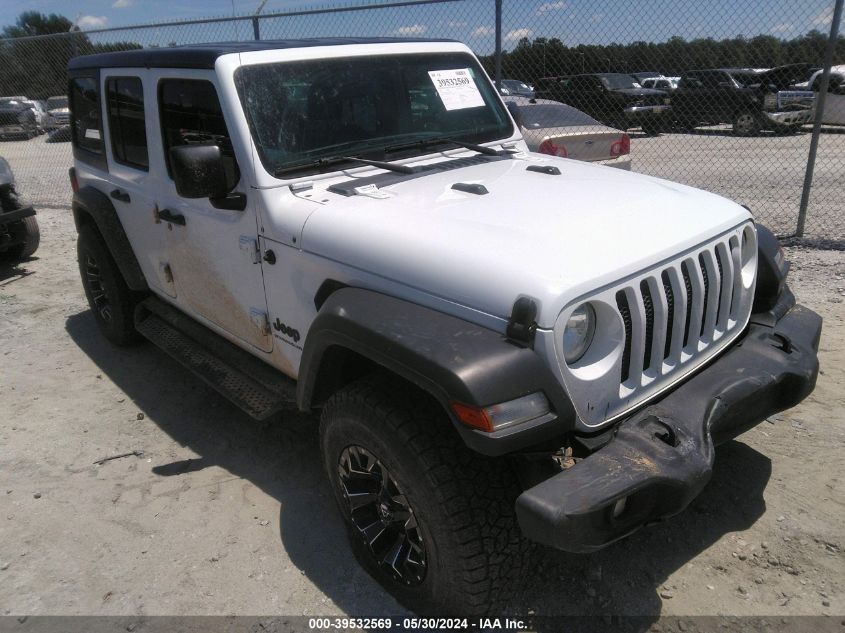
[{"x": 720, "y": 94}]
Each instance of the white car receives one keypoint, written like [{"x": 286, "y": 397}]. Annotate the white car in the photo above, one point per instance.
[
  {"x": 57, "y": 112},
  {"x": 357, "y": 226},
  {"x": 554, "y": 128},
  {"x": 667, "y": 84},
  {"x": 834, "y": 107}
]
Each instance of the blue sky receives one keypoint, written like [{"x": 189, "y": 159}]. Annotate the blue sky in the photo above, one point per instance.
[{"x": 573, "y": 21}]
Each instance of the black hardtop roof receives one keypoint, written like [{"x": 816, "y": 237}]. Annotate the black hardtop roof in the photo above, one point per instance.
[{"x": 204, "y": 55}]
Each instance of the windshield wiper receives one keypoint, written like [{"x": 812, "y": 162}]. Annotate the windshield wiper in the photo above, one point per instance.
[
  {"x": 328, "y": 161},
  {"x": 428, "y": 142},
  {"x": 400, "y": 169}
]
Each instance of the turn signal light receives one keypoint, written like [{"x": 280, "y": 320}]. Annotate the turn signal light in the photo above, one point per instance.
[{"x": 499, "y": 416}]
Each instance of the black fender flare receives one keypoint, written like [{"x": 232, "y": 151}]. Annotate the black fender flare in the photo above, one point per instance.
[
  {"x": 93, "y": 203},
  {"x": 451, "y": 359}
]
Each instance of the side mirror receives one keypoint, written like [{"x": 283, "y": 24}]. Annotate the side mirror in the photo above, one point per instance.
[{"x": 198, "y": 171}]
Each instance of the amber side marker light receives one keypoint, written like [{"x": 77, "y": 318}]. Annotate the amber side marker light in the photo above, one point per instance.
[{"x": 505, "y": 414}]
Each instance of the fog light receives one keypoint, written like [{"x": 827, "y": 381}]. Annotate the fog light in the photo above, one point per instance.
[{"x": 499, "y": 416}]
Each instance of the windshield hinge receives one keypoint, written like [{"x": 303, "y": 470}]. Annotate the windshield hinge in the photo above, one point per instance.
[{"x": 299, "y": 187}]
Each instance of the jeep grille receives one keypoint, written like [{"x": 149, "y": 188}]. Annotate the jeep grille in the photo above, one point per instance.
[{"x": 673, "y": 318}]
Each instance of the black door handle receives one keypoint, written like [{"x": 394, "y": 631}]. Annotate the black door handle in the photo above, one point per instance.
[
  {"x": 117, "y": 194},
  {"x": 174, "y": 218}
]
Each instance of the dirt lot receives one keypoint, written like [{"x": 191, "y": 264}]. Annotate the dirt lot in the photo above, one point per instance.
[{"x": 224, "y": 516}]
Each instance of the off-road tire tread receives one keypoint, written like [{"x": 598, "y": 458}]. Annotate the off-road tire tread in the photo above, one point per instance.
[
  {"x": 123, "y": 300},
  {"x": 32, "y": 238},
  {"x": 476, "y": 492}
]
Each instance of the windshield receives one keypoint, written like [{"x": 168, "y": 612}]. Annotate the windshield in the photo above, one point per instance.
[
  {"x": 543, "y": 116},
  {"x": 56, "y": 102},
  {"x": 300, "y": 112},
  {"x": 618, "y": 81}
]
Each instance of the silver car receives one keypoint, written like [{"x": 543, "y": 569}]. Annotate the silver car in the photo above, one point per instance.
[{"x": 550, "y": 127}]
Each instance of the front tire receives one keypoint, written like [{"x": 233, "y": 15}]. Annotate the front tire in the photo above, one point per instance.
[
  {"x": 31, "y": 239},
  {"x": 110, "y": 299},
  {"x": 746, "y": 123},
  {"x": 430, "y": 520}
]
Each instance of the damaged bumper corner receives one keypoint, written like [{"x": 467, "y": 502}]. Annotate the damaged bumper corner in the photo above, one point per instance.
[{"x": 661, "y": 457}]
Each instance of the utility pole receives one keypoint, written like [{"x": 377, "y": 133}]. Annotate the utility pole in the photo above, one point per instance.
[
  {"x": 256, "y": 31},
  {"x": 498, "y": 44},
  {"x": 817, "y": 123}
]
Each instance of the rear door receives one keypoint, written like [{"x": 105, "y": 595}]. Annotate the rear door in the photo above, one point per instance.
[
  {"x": 212, "y": 251},
  {"x": 126, "y": 95}
]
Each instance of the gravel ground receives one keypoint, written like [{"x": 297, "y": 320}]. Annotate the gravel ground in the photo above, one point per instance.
[{"x": 220, "y": 515}]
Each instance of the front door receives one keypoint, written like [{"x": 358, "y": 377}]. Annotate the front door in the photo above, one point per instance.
[{"x": 212, "y": 252}]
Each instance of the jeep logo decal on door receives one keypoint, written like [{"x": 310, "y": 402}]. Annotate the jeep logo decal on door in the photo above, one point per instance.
[{"x": 286, "y": 330}]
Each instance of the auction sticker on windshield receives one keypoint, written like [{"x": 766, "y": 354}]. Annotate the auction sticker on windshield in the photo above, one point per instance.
[{"x": 456, "y": 88}]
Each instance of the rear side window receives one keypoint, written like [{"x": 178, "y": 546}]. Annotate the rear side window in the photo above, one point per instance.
[
  {"x": 86, "y": 124},
  {"x": 125, "y": 106},
  {"x": 191, "y": 115}
]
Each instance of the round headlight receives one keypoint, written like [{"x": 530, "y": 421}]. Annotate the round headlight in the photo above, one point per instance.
[{"x": 578, "y": 333}]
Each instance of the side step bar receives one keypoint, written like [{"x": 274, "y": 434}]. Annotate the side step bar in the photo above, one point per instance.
[{"x": 252, "y": 385}]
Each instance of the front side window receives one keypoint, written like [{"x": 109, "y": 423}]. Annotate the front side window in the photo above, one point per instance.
[
  {"x": 190, "y": 114},
  {"x": 302, "y": 112},
  {"x": 125, "y": 105},
  {"x": 85, "y": 105}
]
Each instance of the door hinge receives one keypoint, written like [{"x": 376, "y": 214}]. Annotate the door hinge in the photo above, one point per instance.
[
  {"x": 249, "y": 245},
  {"x": 260, "y": 320}
]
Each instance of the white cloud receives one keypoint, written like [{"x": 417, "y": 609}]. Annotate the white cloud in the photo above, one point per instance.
[
  {"x": 824, "y": 18},
  {"x": 518, "y": 34},
  {"x": 121, "y": 4},
  {"x": 551, "y": 6},
  {"x": 483, "y": 30},
  {"x": 92, "y": 22},
  {"x": 454, "y": 24},
  {"x": 784, "y": 27},
  {"x": 414, "y": 29}
]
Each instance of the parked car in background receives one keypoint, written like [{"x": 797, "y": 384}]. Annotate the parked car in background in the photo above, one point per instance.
[
  {"x": 615, "y": 99},
  {"x": 17, "y": 121},
  {"x": 557, "y": 129},
  {"x": 667, "y": 84},
  {"x": 518, "y": 88},
  {"x": 750, "y": 100},
  {"x": 40, "y": 113},
  {"x": 57, "y": 112},
  {"x": 16, "y": 98},
  {"x": 834, "y": 105},
  {"x": 642, "y": 76},
  {"x": 19, "y": 234}
]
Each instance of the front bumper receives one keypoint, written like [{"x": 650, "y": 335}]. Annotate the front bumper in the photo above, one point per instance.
[
  {"x": 660, "y": 458},
  {"x": 797, "y": 117},
  {"x": 7, "y": 217},
  {"x": 638, "y": 113}
]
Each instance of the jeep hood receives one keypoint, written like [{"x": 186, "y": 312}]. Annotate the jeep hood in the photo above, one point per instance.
[{"x": 550, "y": 237}]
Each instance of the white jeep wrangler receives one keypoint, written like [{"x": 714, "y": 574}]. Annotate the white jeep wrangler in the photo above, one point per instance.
[{"x": 503, "y": 347}]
